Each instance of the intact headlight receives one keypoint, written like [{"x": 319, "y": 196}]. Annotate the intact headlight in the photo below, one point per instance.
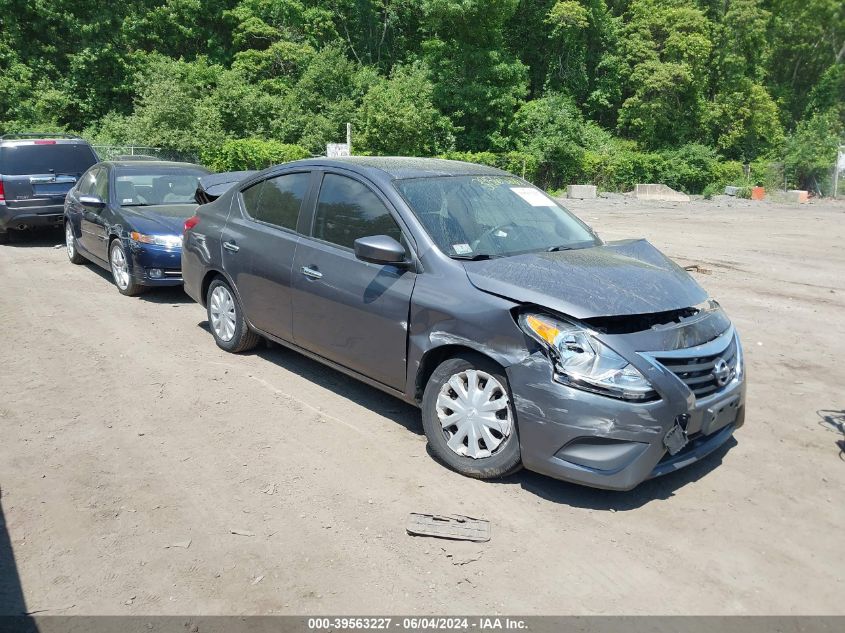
[
  {"x": 584, "y": 362},
  {"x": 169, "y": 241}
]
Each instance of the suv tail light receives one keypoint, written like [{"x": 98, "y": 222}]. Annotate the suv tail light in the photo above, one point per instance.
[
  {"x": 191, "y": 222},
  {"x": 45, "y": 142},
  {"x": 2, "y": 192}
]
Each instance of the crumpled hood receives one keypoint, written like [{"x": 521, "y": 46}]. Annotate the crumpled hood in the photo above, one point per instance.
[
  {"x": 160, "y": 219},
  {"x": 615, "y": 279}
]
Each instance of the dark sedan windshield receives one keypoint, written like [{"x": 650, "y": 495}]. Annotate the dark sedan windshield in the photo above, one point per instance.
[
  {"x": 473, "y": 217},
  {"x": 148, "y": 186}
]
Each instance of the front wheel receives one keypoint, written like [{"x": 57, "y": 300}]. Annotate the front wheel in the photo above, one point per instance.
[
  {"x": 126, "y": 285},
  {"x": 226, "y": 319},
  {"x": 70, "y": 244},
  {"x": 468, "y": 418}
]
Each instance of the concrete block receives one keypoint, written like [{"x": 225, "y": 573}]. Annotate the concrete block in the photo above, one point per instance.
[
  {"x": 581, "y": 191},
  {"x": 659, "y": 192},
  {"x": 732, "y": 191},
  {"x": 797, "y": 195}
]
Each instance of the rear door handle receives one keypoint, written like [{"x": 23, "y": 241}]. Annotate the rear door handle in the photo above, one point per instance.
[
  {"x": 310, "y": 272},
  {"x": 231, "y": 246}
]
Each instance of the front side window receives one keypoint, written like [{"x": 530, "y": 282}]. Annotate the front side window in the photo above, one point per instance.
[
  {"x": 475, "y": 217},
  {"x": 347, "y": 210},
  {"x": 86, "y": 183},
  {"x": 101, "y": 185}
]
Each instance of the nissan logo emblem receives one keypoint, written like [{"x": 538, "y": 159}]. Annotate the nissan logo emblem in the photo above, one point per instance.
[{"x": 721, "y": 372}]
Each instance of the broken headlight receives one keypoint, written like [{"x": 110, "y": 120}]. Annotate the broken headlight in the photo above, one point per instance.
[{"x": 584, "y": 362}]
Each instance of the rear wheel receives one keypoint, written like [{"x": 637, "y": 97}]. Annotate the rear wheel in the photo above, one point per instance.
[
  {"x": 226, "y": 319},
  {"x": 123, "y": 279},
  {"x": 70, "y": 244},
  {"x": 468, "y": 418}
]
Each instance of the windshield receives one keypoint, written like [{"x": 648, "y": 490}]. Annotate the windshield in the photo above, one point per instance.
[
  {"x": 151, "y": 187},
  {"x": 475, "y": 217},
  {"x": 46, "y": 158}
]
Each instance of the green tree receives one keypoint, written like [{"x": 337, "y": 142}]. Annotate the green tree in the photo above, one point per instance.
[
  {"x": 667, "y": 46},
  {"x": 478, "y": 83},
  {"x": 397, "y": 117}
]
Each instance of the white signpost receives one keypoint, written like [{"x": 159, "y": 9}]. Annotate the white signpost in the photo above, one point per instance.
[
  {"x": 839, "y": 168},
  {"x": 335, "y": 150}
]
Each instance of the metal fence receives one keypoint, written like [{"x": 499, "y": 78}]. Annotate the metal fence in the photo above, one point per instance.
[{"x": 111, "y": 152}]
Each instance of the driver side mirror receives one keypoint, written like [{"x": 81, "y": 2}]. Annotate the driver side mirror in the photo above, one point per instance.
[
  {"x": 379, "y": 249},
  {"x": 92, "y": 202}
]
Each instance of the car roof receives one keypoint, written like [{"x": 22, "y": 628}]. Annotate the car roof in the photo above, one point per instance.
[
  {"x": 15, "y": 140},
  {"x": 143, "y": 165},
  {"x": 398, "y": 167}
]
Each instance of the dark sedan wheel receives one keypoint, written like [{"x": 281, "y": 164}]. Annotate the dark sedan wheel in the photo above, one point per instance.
[
  {"x": 70, "y": 244},
  {"x": 468, "y": 418},
  {"x": 120, "y": 272},
  {"x": 226, "y": 319}
]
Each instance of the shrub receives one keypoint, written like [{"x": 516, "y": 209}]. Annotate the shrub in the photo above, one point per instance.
[
  {"x": 250, "y": 153},
  {"x": 523, "y": 164},
  {"x": 689, "y": 168}
]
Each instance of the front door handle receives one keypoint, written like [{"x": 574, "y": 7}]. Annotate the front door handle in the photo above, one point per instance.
[
  {"x": 231, "y": 246},
  {"x": 310, "y": 272}
]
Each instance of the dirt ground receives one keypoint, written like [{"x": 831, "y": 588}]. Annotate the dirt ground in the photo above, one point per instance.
[{"x": 133, "y": 451}]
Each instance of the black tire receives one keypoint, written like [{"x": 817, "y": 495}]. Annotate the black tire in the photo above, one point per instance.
[
  {"x": 132, "y": 288},
  {"x": 71, "y": 248},
  {"x": 505, "y": 459},
  {"x": 243, "y": 337}
]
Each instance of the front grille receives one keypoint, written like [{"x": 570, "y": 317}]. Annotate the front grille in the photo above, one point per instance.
[{"x": 697, "y": 371}]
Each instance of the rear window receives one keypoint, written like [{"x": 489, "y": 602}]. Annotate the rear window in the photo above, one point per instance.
[{"x": 65, "y": 158}]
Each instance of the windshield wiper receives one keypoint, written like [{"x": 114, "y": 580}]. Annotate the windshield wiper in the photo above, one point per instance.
[
  {"x": 557, "y": 249},
  {"x": 474, "y": 258},
  {"x": 137, "y": 204}
]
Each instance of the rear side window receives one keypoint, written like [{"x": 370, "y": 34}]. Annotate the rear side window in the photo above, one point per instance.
[
  {"x": 347, "y": 210},
  {"x": 61, "y": 159},
  {"x": 281, "y": 200}
]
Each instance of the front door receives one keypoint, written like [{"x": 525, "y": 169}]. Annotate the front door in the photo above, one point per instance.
[
  {"x": 349, "y": 311},
  {"x": 93, "y": 225}
]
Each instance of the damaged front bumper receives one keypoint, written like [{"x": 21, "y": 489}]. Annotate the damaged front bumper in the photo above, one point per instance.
[
  {"x": 155, "y": 265},
  {"x": 603, "y": 442}
]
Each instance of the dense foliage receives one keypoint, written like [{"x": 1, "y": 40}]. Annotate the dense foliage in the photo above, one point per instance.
[{"x": 607, "y": 91}]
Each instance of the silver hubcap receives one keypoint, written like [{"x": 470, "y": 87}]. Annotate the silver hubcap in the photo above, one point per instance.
[
  {"x": 69, "y": 240},
  {"x": 221, "y": 309},
  {"x": 475, "y": 414},
  {"x": 119, "y": 267}
]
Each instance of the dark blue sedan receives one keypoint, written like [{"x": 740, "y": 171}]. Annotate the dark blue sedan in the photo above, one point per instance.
[{"x": 128, "y": 217}]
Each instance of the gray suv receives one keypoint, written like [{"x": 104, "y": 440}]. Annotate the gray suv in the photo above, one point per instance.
[
  {"x": 525, "y": 339},
  {"x": 36, "y": 172}
]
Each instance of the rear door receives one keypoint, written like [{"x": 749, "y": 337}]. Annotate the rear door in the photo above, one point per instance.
[
  {"x": 38, "y": 174},
  {"x": 346, "y": 310},
  {"x": 259, "y": 242}
]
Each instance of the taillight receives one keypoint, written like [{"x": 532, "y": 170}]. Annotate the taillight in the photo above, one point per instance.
[
  {"x": 45, "y": 142},
  {"x": 2, "y": 192},
  {"x": 191, "y": 222}
]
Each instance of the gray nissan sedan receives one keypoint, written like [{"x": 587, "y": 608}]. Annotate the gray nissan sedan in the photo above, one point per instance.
[{"x": 524, "y": 338}]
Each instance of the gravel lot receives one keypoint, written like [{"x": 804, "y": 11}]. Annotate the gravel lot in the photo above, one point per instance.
[{"x": 132, "y": 448}]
